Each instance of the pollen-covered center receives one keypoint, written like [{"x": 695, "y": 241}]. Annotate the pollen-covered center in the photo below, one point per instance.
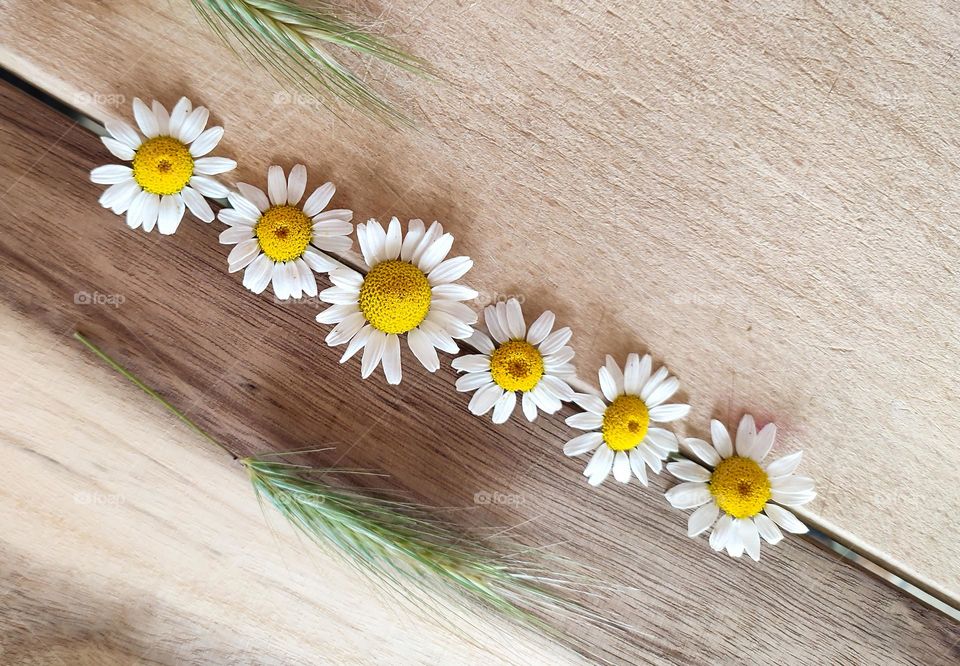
[
  {"x": 284, "y": 232},
  {"x": 625, "y": 422},
  {"x": 516, "y": 365},
  {"x": 395, "y": 296},
  {"x": 162, "y": 165},
  {"x": 740, "y": 487}
]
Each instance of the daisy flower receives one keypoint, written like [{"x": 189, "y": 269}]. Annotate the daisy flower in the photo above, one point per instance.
[
  {"x": 737, "y": 484},
  {"x": 534, "y": 361},
  {"x": 409, "y": 288},
  {"x": 280, "y": 242},
  {"x": 168, "y": 170},
  {"x": 620, "y": 431}
]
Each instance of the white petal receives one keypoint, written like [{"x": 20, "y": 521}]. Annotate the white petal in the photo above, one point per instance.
[
  {"x": 546, "y": 402},
  {"x": 792, "y": 484},
  {"x": 746, "y": 433},
  {"x": 621, "y": 467},
  {"x": 339, "y": 296},
  {"x": 337, "y": 313},
  {"x": 279, "y": 280},
  {"x": 701, "y": 519},
  {"x": 206, "y": 142},
  {"x": 459, "y": 311},
  {"x": 135, "y": 211},
  {"x": 329, "y": 228},
  {"x": 344, "y": 331},
  {"x": 669, "y": 412},
  {"x": 472, "y": 363},
  {"x": 332, "y": 243},
  {"x": 735, "y": 539},
  {"x": 654, "y": 381},
  {"x": 197, "y": 204},
  {"x": 123, "y": 133},
  {"x": 394, "y": 239},
  {"x": 651, "y": 458},
  {"x": 792, "y": 499},
  {"x": 687, "y": 470},
  {"x": 169, "y": 214},
  {"x": 110, "y": 174},
  {"x": 209, "y": 187},
  {"x": 555, "y": 341},
  {"x": 591, "y": 403},
  {"x": 450, "y": 270},
  {"x": 439, "y": 338},
  {"x": 557, "y": 387},
  {"x": 631, "y": 375},
  {"x": 751, "y": 538},
  {"x": 638, "y": 466},
  {"x": 763, "y": 442},
  {"x": 702, "y": 450},
  {"x": 160, "y": 113},
  {"x": 244, "y": 210},
  {"x": 615, "y": 373},
  {"x": 317, "y": 201},
  {"x": 785, "y": 519},
  {"x": 372, "y": 352},
  {"x": 435, "y": 253},
  {"x": 662, "y": 440},
  {"x": 582, "y": 443},
  {"x": 504, "y": 407},
  {"x": 242, "y": 254},
  {"x": 541, "y": 328},
  {"x": 721, "y": 439},
  {"x": 258, "y": 274},
  {"x": 308, "y": 281},
  {"x": 276, "y": 186},
  {"x": 145, "y": 118},
  {"x": 427, "y": 240},
  {"x": 484, "y": 399},
  {"x": 492, "y": 321},
  {"x": 585, "y": 421},
  {"x": 413, "y": 237},
  {"x": 255, "y": 196},
  {"x": 296, "y": 184},
  {"x": 602, "y": 463},
  {"x": 211, "y": 166},
  {"x": 784, "y": 466},
  {"x": 608, "y": 384},
  {"x": 151, "y": 209},
  {"x": 193, "y": 125},
  {"x": 319, "y": 261},
  {"x": 453, "y": 292},
  {"x": 293, "y": 279},
  {"x": 391, "y": 360},
  {"x": 472, "y": 381},
  {"x": 425, "y": 352},
  {"x": 721, "y": 532},
  {"x": 515, "y": 324},
  {"x": 118, "y": 148},
  {"x": 529, "y": 407},
  {"x": 452, "y": 325},
  {"x": 179, "y": 113},
  {"x": 663, "y": 392},
  {"x": 232, "y": 235},
  {"x": 767, "y": 529},
  {"x": 347, "y": 278},
  {"x": 688, "y": 495},
  {"x": 359, "y": 342}
]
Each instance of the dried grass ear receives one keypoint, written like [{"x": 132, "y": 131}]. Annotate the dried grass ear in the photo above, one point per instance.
[{"x": 288, "y": 40}]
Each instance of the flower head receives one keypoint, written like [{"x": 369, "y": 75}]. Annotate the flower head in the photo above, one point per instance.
[
  {"x": 736, "y": 483},
  {"x": 534, "y": 362},
  {"x": 408, "y": 290},
  {"x": 280, "y": 242},
  {"x": 169, "y": 171},
  {"x": 620, "y": 430}
]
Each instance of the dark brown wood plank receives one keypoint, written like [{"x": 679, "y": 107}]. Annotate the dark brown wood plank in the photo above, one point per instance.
[{"x": 258, "y": 376}]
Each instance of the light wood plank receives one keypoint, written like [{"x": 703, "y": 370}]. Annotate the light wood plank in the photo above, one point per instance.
[
  {"x": 126, "y": 540},
  {"x": 254, "y": 374}
]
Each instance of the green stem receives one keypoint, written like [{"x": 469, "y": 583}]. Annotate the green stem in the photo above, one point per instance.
[{"x": 149, "y": 391}]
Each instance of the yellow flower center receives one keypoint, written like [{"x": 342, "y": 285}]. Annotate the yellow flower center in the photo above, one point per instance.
[
  {"x": 284, "y": 232},
  {"x": 162, "y": 165},
  {"x": 395, "y": 296},
  {"x": 740, "y": 487},
  {"x": 516, "y": 365},
  {"x": 625, "y": 422}
]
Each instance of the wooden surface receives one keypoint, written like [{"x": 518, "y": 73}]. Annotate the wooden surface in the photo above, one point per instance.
[
  {"x": 763, "y": 195},
  {"x": 253, "y": 373},
  {"x": 128, "y": 541}
]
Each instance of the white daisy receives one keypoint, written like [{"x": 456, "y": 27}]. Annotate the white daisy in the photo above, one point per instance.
[
  {"x": 741, "y": 487},
  {"x": 620, "y": 432},
  {"x": 535, "y": 362},
  {"x": 409, "y": 288},
  {"x": 169, "y": 171},
  {"x": 278, "y": 241}
]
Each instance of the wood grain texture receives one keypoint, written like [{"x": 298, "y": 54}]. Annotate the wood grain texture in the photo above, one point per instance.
[
  {"x": 254, "y": 374},
  {"x": 762, "y": 195},
  {"x": 128, "y": 541}
]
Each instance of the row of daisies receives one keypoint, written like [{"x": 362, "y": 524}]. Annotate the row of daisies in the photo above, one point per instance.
[{"x": 409, "y": 288}]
